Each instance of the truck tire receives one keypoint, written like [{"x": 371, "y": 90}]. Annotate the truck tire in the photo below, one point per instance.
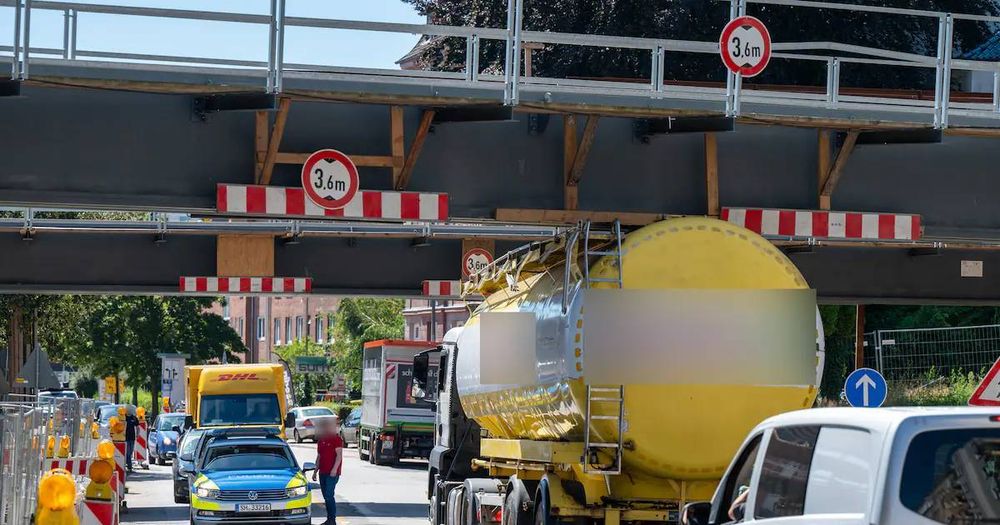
[
  {"x": 518, "y": 509},
  {"x": 543, "y": 511}
]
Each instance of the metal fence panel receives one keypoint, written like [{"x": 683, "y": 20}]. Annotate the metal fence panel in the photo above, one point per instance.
[{"x": 927, "y": 354}]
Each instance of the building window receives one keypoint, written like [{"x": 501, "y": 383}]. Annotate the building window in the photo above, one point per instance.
[
  {"x": 288, "y": 330},
  {"x": 261, "y": 329},
  {"x": 225, "y": 309},
  {"x": 319, "y": 329},
  {"x": 277, "y": 331},
  {"x": 299, "y": 322},
  {"x": 239, "y": 323}
]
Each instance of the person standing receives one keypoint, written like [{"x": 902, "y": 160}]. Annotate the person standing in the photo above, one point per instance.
[
  {"x": 330, "y": 452},
  {"x": 131, "y": 424}
]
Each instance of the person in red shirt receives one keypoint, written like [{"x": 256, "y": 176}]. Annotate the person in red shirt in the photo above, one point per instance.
[{"x": 330, "y": 452}]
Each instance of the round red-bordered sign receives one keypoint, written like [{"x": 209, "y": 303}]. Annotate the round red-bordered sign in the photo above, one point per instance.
[
  {"x": 474, "y": 260},
  {"x": 745, "y": 46},
  {"x": 330, "y": 179}
]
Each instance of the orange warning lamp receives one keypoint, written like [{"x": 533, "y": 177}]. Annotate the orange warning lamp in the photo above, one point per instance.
[
  {"x": 95, "y": 430},
  {"x": 106, "y": 450},
  {"x": 121, "y": 412},
  {"x": 50, "y": 446},
  {"x": 140, "y": 412},
  {"x": 56, "y": 499},
  {"x": 100, "y": 472},
  {"x": 117, "y": 428},
  {"x": 63, "y": 447}
]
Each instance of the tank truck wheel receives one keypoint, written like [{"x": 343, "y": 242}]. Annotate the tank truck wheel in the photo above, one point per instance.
[
  {"x": 517, "y": 506},
  {"x": 543, "y": 514}
]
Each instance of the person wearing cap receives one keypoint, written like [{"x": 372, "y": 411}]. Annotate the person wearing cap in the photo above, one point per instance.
[{"x": 330, "y": 456}]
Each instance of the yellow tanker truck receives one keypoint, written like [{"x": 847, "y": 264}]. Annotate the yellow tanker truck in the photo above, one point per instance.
[{"x": 610, "y": 379}]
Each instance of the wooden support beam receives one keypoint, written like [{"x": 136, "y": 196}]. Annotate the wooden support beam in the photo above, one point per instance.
[
  {"x": 575, "y": 216},
  {"x": 275, "y": 141},
  {"x": 712, "y": 174},
  {"x": 418, "y": 145},
  {"x": 398, "y": 143},
  {"x": 823, "y": 159},
  {"x": 260, "y": 143},
  {"x": 838, "y": 169},
  {"x": 571, "y": 195},
  {"x": 589, "y": 131},
  {"x": 362, "y": 161}
]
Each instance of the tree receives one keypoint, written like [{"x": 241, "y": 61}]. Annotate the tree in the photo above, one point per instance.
[
  {"x": 702, "y": 21},
  {"x": 305, "y": 384},
  {"x": 359, "y": 321}
]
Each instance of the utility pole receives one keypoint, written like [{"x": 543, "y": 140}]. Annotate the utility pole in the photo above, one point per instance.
[{"x": 859, "y": 336}]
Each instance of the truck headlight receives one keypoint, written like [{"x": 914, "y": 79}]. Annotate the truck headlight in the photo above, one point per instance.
[
  {"x": 296, "y": 492},
  {"x": 202, "y": 492}
]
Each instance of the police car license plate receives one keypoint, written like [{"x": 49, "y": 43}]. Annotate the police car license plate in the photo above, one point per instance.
[{"x": 253, "y": 507}]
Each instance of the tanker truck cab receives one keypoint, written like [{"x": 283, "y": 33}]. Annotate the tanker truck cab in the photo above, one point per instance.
[
  {"x": 860, "y": 466},
  {"x": 238, "y": 396}
]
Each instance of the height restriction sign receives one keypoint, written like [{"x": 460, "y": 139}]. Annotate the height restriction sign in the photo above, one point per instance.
[
  {"x": 330, "y": 179},
  {"x": 745, "y": 46}
]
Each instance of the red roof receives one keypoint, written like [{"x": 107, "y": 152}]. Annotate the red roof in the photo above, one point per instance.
[{"x": 400, "y": 342}]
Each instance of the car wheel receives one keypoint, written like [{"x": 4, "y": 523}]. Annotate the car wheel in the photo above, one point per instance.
[{"x": 298, "y": 438}]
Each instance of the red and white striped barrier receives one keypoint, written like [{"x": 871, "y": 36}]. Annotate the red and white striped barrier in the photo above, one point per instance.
[
  {"x": 120, "y": 477},
  {"x": 826, "y": 224},
  {"x": 98, "y": 512},
  {"x": 141, "y": 449},
  {"x": 442, "y": 288},
  {"x": 274, "y": 201},
  {"x": 280, "y": 285},
  {"x": 75, "y": 466}
]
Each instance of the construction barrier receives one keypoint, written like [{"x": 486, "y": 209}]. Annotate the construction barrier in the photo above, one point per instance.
[
  {"x": 120, "y": 473},
  {"x": 98, "y": 512},
  {"x": 24, "y": 432},
  {"x": 140, "y": 455}
]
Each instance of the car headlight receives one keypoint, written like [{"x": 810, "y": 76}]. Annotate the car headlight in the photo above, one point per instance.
[
  {"x": 166, "y": 441},
  {"x": 296, "y": 492},
  {"x": 202, "y": 492}
]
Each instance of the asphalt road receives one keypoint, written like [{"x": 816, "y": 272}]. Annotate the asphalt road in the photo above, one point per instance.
[{"x": 366, "y": 494}]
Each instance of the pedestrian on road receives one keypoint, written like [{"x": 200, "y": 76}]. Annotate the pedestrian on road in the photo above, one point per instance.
[
  {"x": 131, "y": 424},
  {"x": 330, "y": 452}
]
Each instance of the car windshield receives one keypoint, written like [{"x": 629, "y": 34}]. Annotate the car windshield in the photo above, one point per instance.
[
  {"x": 112, "y": 410},
  {"x": 169, "y": 422},
  {"x": 239, "y": 409},
  {"x": 248, "y": 457},
  {"x": 950, "y": 476},
  {"x": 61, "y": 393},
  {"x": 318, "y": 411},
  {"x": 190, "y": 442}
]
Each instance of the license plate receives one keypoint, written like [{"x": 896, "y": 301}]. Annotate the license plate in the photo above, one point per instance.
[{"x": 253, "y": 507}]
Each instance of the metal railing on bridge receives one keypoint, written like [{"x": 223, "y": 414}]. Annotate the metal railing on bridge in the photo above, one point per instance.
[{"x": 510, "y": 86}]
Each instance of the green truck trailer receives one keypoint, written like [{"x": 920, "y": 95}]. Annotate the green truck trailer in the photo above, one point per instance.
[{"x": 394, "y": 424}]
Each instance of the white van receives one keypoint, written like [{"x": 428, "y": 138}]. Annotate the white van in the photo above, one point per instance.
[{"x": 854, "y": 466}]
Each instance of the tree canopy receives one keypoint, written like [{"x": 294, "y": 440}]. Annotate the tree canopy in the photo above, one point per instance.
[
  {"x": 359, "y": 321},
  {"x": 703, "y": 20}
]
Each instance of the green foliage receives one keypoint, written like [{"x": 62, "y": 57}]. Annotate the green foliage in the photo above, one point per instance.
[
  {"x": 703, "y": 21},
  {"x": 359, "y": 321},
  {"x": 305, "y": 385},
  {"x": 936, "y": 390},
  {"x": 85, "y": 386},
  {"x": 341, "y": 409}
]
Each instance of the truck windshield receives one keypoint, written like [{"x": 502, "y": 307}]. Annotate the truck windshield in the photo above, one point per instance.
[
  {"x": 950, "y": 476},
  {"x": 239, "y": 409}
]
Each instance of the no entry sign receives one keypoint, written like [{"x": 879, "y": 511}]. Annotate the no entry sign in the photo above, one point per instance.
[
  {"x": 745, "y": 46},
  {"x": 330, "y": 179},
  {"x": 474, "y": 260}
]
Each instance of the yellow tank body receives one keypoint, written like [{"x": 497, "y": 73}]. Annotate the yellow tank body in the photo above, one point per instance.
[{"x": 683, "y": 432}]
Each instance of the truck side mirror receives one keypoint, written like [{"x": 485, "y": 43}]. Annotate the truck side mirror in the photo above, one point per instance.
[
  {"x": 289, "y": 420},
  {"x": 696, "y": 513},
  {"x": 421, "y": 366}
]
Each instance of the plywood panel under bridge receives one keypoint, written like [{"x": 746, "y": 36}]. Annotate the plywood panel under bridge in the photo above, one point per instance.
[{"x": 245, "y": 256}]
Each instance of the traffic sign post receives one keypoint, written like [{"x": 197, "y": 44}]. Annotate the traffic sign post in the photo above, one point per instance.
[
  {"x": 987, "y": 394},
  {"x": 745, "y": 46},
  {"x": 330, "y": 179},
  {"x": 865, "y": 388}
]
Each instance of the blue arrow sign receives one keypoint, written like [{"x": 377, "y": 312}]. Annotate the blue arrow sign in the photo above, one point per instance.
[{"x": 865, "y": 388}]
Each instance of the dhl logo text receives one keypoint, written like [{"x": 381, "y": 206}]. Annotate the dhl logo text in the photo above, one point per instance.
[{"x": 238, "y": 377}]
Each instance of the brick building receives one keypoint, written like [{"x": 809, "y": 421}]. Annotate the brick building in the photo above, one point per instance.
[
  {"x": 419, "y": 313},
  {"x": 267, "y": 323}
]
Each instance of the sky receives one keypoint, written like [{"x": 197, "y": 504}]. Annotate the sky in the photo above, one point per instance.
[{"x": 99, "y": 32}]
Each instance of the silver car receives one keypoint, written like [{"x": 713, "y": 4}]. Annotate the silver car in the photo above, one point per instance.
[
  {"x": 349, "y": 428},
  {"x": 304, "y": 426}
]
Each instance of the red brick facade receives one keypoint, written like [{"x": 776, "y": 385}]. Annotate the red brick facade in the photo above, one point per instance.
[
  {"x": 447, "y": 315},
  {"x": 278, "y": 321}
]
